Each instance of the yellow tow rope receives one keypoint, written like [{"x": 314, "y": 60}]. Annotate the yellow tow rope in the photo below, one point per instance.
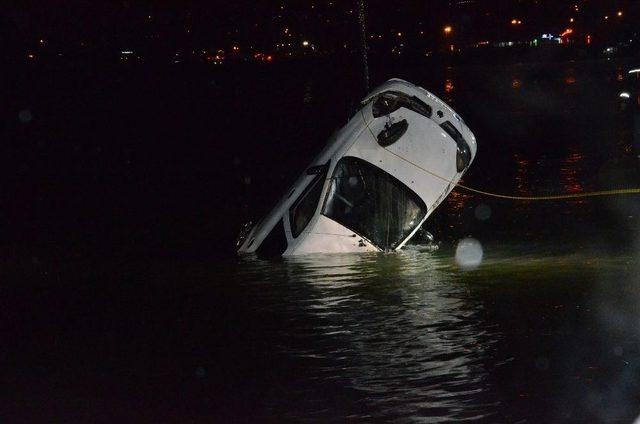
[{"x": 567, "y": 196}]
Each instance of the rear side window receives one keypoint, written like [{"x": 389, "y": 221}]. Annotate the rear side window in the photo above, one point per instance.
[
  {"x": 306, "y": 204},
  {"x": 390, "y": 101},
  {"x": 463, "y": 155},
  {"x": 452, "y": 131}
]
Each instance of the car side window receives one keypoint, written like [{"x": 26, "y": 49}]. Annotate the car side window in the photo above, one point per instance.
[{"x": 304, "y": 207}]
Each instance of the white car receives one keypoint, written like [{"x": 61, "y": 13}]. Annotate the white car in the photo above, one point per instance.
[{"x": 375, "y": 183}]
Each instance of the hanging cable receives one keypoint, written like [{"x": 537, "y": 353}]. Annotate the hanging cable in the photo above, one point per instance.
[{"x": 363, "y": 39}]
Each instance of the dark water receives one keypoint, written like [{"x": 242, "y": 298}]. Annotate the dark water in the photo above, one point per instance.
[{"x": 122, "y": 300}]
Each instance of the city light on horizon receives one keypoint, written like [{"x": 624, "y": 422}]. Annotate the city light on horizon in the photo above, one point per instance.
[
  {"x": 486, "y": 25},
  {"x": 566, "y": 32}
]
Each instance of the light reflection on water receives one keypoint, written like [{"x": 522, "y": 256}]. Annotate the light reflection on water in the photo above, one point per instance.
[
  {"x": 409, "y": 334},
  {"x": 542, "y": 137},
  {"x": 396, "y": 329},
  {"x": 521, "y": 175}
]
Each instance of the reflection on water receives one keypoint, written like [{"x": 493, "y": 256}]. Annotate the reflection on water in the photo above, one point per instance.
[
  {"x": 571, "y": 173},
  {"x": 540, "y": 131},
  {"x": 395, "y": 329},
  {"x": 570, "y": 76},
  {"x": 448, "y": 86},
  {"x": 409, "y": 334},
  {"x": 522, "y": 183},
  {"x": 457, "y": 200},
  {"x": 516, "y": 83}
]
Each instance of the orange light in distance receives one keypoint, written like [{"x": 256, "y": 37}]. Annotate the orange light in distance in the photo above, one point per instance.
[{"x": 566, "y": 32}]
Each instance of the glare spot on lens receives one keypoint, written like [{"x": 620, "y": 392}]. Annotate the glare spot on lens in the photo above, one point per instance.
[
  {"x": 469, "y": 253},
  {"x": 25, "y": 116},
  {"x": 483, "y": 212}
]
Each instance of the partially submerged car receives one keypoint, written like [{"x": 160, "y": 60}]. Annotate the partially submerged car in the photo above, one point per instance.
[{"x": 375, "y": 183}]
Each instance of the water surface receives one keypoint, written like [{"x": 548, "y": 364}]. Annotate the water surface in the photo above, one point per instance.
[{"x": 123, "y": 300}]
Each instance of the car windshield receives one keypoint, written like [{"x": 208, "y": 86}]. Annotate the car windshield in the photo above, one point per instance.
[{"x": 369, "y": 201}]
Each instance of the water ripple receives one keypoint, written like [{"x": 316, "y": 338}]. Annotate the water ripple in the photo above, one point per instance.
[{"x": 398, "y": 329}]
